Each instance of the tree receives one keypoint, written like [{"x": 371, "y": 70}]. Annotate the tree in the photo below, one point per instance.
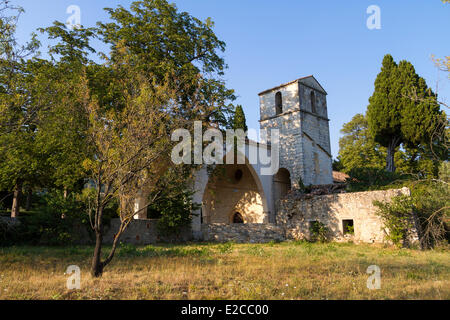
[
  {"x": 357, "y": 148},
  {"x": 17, "y": 112},
  {"x": 131, "y": 150},
  {"x": 402, "y": 109},
  {"x": 162, "y": 41},
  {"x": 164, "y": 73},
  {"x": 239, "y": 121},
  {"x": 62, "y": 125}
]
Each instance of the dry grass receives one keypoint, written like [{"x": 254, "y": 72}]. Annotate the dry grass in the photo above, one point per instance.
[{"x": 228, "y": 271}]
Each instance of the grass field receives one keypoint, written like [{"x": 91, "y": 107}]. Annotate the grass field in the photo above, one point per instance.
[{"x": 290, "y": 270}]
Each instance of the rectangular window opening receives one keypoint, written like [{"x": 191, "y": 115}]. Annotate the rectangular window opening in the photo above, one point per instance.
[{"x": 348, "y": 226}]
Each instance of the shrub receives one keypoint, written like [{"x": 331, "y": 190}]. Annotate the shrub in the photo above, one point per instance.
[
  {"x": 397, "y": 218},
  {"x": 173, "y": 206},
  {"x": 54, "y": 222},
  {"x": 351, "y": 230},
  {"x": 225, "y": 247},
  {"x": 366, "y": 178},
  {"x": 8, "y": 234},
  {"x": 302, "y": 188},
  {"x": 319, "y": 232},
  {"x": 431, "y": 203}
]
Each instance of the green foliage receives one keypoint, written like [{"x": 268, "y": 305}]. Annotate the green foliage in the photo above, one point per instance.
[
  {"x": 226, "y": 247},
  {"x": 8, "y": 234},
  {"x": 56, "y": 221},
  {"x": 338, "y": 165},
  {"x": 350, "y": 229},
  {"x": 302, "y": 188},
  {"x": 173, "y": 204},
  {"x": 357, "y": 148},
  {"x": 239, "y": 121},
  {"x": 402, "y": 109},
  {"x": 431, "y": 203},
  {"x": 364, "y": 179},
  {"x": 319, "y": 232},
  {"x": 161, "y": 41},
  {"x": 397, "y": 218}
]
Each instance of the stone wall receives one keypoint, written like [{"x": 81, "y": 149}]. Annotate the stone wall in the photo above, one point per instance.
[
  {"x": 288, "y": 123},
  {"x": 243, "y": 233},
  {"x": 296, "y": 215},
  {"x": 317, "y": 161},
  {"x": 143, "y": 232}
]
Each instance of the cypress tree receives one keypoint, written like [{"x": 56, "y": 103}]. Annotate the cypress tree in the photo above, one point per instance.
[
  {"x": 402, "y": 109},
  {"x": 239, "y": 121}
]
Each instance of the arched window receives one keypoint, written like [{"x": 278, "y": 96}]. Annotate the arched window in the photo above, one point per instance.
[
  {"x": 278, "y": 103},
  {"x": 313, "y": 102},
  {"x": 237, "y": 218},
  {"x": 238, "y": 175}
]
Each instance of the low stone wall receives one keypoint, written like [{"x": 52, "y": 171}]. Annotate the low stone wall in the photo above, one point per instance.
[
  {"x": 296, "y": 215},
  {"x": 143, "y": 232},
  {"x": 248, "y": 232},
  {"x": 294, "y": 219}
]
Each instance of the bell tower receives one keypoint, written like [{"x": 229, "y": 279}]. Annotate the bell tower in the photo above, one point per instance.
[{"x": 298, "y": 109}]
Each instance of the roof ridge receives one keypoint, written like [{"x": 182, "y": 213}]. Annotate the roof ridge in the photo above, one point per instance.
[{"x": 288, "y": 83}]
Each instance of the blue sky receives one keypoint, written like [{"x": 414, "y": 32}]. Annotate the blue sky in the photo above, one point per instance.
[{"x": 273, "y": 42}]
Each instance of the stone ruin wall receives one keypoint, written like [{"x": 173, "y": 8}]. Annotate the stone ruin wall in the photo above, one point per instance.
[
  {"x": 296, "y": 215},
  {"x": 293, "y": 222}
]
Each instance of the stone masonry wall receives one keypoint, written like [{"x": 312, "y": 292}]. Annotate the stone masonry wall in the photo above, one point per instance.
[
  {"x": 288, "y": 123},
  {"x": 296, "y": 215},
  {"x": 304, "y": 134},
  {"x": 143, "y": 232},
  {"x": 243, "y": 233}
]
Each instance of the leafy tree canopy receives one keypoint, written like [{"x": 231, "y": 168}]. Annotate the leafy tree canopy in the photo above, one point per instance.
[{"x": 402, "y": 109}]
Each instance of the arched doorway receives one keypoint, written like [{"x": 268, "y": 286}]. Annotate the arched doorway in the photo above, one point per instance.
[
  {"x": 237, "y": 218},
  {"x": 282, "y": 183},
  {"x": 234, "y": 189}
]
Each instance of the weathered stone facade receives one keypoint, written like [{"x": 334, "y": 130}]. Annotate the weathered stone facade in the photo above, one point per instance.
[
  {"x": 304, "y": 129},
  {"x": 143, "y": 231},
  {"x": 243, "y": 233},
  {"x": 295, "y": 216},
  {"x": 335, "y": 211}
]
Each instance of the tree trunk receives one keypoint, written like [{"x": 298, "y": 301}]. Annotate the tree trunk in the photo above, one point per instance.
[
  {"x": 65, "y": 193},
  {"x": 29, "y": 198},
  {"x": 390, "y": 165},
  {"x": 16, "y": 201},
  {"x": 390, "y": 162},
  {"x": 97, "y": 264}
]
